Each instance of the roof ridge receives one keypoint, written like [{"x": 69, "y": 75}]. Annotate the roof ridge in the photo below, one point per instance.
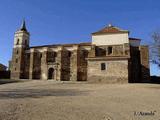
[{"x": 111, "y": 29}]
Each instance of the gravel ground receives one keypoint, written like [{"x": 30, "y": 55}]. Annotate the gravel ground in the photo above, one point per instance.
[{"x": 50, "y": 100}]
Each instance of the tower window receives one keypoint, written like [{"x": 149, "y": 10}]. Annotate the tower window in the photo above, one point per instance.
[
  {"x": 17, "y": 52},
  {"x": 109, "y": 50},
  {"x": 17, "y": 42},
  {"x": 16, "y": 60},
  {"x": 103, "y": 66},
  {"x": 25, "y": 42}
]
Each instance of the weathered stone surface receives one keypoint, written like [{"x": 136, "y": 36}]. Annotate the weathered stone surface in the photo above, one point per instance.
[
  {"x": 116, "y": 71},
  {"x": 72, "y": 64},
  {"x": 145, "y": 70},
  {"x": 44, "y": 72},
  {"x": 134, "y": 65},
  {"x": 79, "y": 62}
]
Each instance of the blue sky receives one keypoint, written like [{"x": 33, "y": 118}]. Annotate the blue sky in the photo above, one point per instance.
[{"x": 72, "y": 21}]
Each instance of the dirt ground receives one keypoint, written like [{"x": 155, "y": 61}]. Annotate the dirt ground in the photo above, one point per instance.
[{"x": 50, "y": 100}]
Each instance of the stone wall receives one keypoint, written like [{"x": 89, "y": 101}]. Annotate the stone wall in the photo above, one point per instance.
[
  {"x": 112, "y": 50},
  {"x": 116, "y": 71},
  {"x": 134, "y": 65},
  {"x": 69, "y": 63},
  {"x": 144, "y": 58},
  {"x": 17, "y": 67},
  {"x": 37, "y": 66},
  {"x": 66, "y": 65},
  {"x": 82, "y": 65},
  {"x": 26, "y": 67}
]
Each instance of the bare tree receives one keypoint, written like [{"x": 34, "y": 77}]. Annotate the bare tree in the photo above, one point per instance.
[{"x": 155, "y": 48}]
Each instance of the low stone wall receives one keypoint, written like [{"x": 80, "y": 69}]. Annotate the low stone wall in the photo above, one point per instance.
[
  {"x": 4, "y": 74},
  {"x": 116, "y": 71}
]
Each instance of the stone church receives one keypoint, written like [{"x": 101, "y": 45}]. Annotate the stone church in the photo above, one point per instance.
[{"x": 111, "y": 57}]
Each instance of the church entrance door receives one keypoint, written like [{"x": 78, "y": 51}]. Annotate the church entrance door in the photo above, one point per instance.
[{"x": 51, "y": 73}]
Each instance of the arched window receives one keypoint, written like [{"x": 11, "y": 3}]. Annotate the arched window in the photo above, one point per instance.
[
  {"x": 51, "y": 56},
  {"x": 17, "y": 43}
]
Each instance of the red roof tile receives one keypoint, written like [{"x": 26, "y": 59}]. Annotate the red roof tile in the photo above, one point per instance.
[{"x": 110, "y": 29}]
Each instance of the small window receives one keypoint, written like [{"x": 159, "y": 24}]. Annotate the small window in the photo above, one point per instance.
[
  {"x": 85, "y": 53},
  {"x": 16, "y": 60},
  {"x": 69, "y": 54},
  {"x": 109, "y": 50},
  {"x": 103, "y": 66},
  {"x": 17, "y": 42},
  {"x": 25, "y": 42},
  {"x": 15, "y": 69},
  {"x": 55, "y": 54},
  {"x": 40, "y": 55},
  {"x": 17, "y": 52}
]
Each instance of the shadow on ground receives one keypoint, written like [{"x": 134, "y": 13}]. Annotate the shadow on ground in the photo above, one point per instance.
[
  {"x": 38, "y": 93},
  {"x": 6, "y": 81},
  {"x": 155, "y": 79}
]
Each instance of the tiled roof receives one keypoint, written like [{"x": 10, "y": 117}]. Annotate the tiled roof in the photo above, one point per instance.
[
  {"x": 110, "y": 29},
  {"x": 65, "y": 45},
  {"x": 135, "y": 39}
]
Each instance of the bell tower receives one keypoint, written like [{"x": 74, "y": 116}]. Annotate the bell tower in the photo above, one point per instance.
[
  {"x": 21, "y": 38},
  {"x": 21, "y": 43}
]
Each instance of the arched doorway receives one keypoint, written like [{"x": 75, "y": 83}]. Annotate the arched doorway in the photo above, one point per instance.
[{"x": 51, "y": 73}]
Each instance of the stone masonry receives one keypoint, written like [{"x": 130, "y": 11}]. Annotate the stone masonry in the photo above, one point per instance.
[{"x": 97, "y": 61}]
